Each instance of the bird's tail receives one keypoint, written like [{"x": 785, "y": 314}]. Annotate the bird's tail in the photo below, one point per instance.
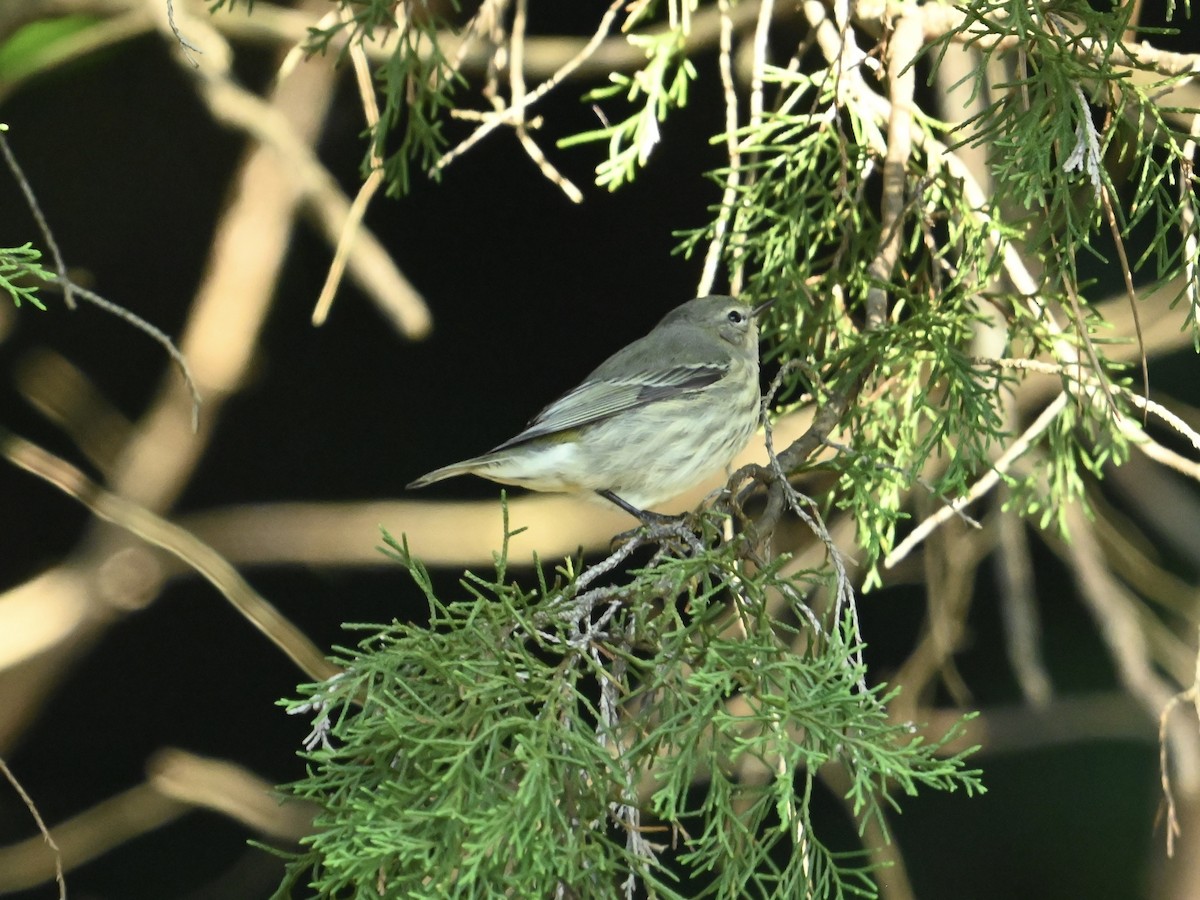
[{"x": 450, "y": 471}]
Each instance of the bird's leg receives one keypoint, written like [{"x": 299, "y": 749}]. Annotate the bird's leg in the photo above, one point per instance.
[
  {"x": 658, "y": 526},
  {"x": 645, "y": 516}
]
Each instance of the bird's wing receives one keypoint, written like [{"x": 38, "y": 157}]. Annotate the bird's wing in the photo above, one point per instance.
[{"x": 601, "y": 398}]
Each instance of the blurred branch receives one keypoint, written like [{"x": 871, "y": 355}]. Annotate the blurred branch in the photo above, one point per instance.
[
  {"x": 67, "y": 397},
  {"x": 177, "y": 782},
  {"x": 90, "y": 834},
  {"x": 271, "y": 23},
  {"x": 336, "y": 216},
  {"x": 231, "y": 790},
  {"x": 110, "y": 571},
  {"x": 1115, "y": 611},
  {"x": 1067, "y": 719},
  {"x": 403, "y": 303},
  {"x": 71, "y": 290},
  {"x": 158, "y": 531},
  {"x": 1018, "y": 606}
]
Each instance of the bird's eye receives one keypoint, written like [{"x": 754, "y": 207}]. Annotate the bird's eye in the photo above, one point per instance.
[{"x": 736, "y": 317}]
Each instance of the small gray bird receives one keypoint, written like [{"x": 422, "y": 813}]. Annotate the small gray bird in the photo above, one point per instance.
[{"x": 651, "y": 421}]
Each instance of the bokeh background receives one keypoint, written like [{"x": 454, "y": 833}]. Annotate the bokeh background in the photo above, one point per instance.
[{"x": 527, "y": 292}]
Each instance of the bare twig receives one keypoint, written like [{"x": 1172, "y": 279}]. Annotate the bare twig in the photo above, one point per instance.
[
  {"x": 176, "y": 782},
  {"x": 903, "y": 48},
  {"x": 1190, "y": 695},
  {"x": 1018, "y": 607},
  {"x": 366, "y": 259},
  {"x": 366, "y": 191},
  {"x": 153, "y": 332},
  {"x": 108, "y": 824},
  {"x": 712, "y": 259},
  {"x": 1187, "y": 218},
  {"x": 187, "y": 47},
  {"x": 70, "y": 289},
  {"x": 1002, "y": 464},
  {"x": 41, "y": 825},
  {"x": 1114, "y": 228},
  {"x": 517, "y": 108},
  {"x": 516, "y": 80},
  {"x": 35, "y": 208},
  {"x": 1116, "y": 615}
]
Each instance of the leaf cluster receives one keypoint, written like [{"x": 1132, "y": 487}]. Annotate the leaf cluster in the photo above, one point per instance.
[
  {"x": 662, "y": 732},
  {"x": 1080, "y": 138},
  {"x": 806, "y": 228},
  {"x": 21, "y": 273},
  {"x": 417, "y": 83},
  {"x": 654, "y": 91}
]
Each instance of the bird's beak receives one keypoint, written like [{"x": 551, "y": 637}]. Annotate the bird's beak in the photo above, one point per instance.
[{"x": 762, "y": 307}]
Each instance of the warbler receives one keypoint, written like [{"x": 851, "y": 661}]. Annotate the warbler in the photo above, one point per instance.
[{"x": 651, "y": 421}]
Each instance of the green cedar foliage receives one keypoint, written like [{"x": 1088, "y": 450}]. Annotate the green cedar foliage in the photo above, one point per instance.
[{"x": 659, "y": 732}]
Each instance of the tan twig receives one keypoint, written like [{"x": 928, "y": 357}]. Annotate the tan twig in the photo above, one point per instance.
[
  {"x": 1131, "y": 429},
  {"x": 762, "y": 36},
  {"x": 712, "y": 259},
  {"x": 1018, "y": 607},
  {"x": 176, "y": 782},
  {"x": 229, "y": 789},
  {"x": 1114, "y": 228},
  {"x": 510, "y": 115},
  {"x": 67, "y": 397},
  {"x": 156, "y": 334},
  {"x": 516, "y": 80},
  {"x": 91, "y": 834},
  {"x": 157, "y": 531},
  {"x": 903, "y": 47},
  {"x": 185, "y": 46},
  {"x": 366, "y": 191},
  {"x": 1187, "y": 218},
  {"x": 70, "y": 289}
]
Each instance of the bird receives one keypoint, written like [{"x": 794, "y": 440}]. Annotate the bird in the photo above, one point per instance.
[{"x": 653, "y": 420}]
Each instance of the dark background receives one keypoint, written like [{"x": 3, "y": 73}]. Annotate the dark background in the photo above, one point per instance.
[{"x": 528, "y": 292}]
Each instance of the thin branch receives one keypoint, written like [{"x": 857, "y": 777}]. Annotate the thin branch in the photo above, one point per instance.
[
  {"x": 1133, "y": 430},
  {"x": 1018, "y": 607},
  {"x": 712, "y": 259},
  {"x": 942, "y": 19},
  {"x": 1190, "y": 695},
  {"x": 35, "y": 208},
  {"x": 762, "y": 35},
  {"x": 902, "y": 51},
  {"x": 1187, "y": 219},
  {"x": 368, "y": 261},
  {"x": 153, "y": 332},
  {"x": 70, "y": 289},
  {"x": 41, "y": 826},
  {"x": 1127, "y": 273},
  {"x": 184, "y": 44},
  {"x": 1115, "y": 612},
  {"x": 366, "y": 191},
  {"x": 90, "y": 834},
  {"x": 516, "y": 80},
  {"x": 1002, "y": 464},
  {"x": 516, "y": 108}
]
